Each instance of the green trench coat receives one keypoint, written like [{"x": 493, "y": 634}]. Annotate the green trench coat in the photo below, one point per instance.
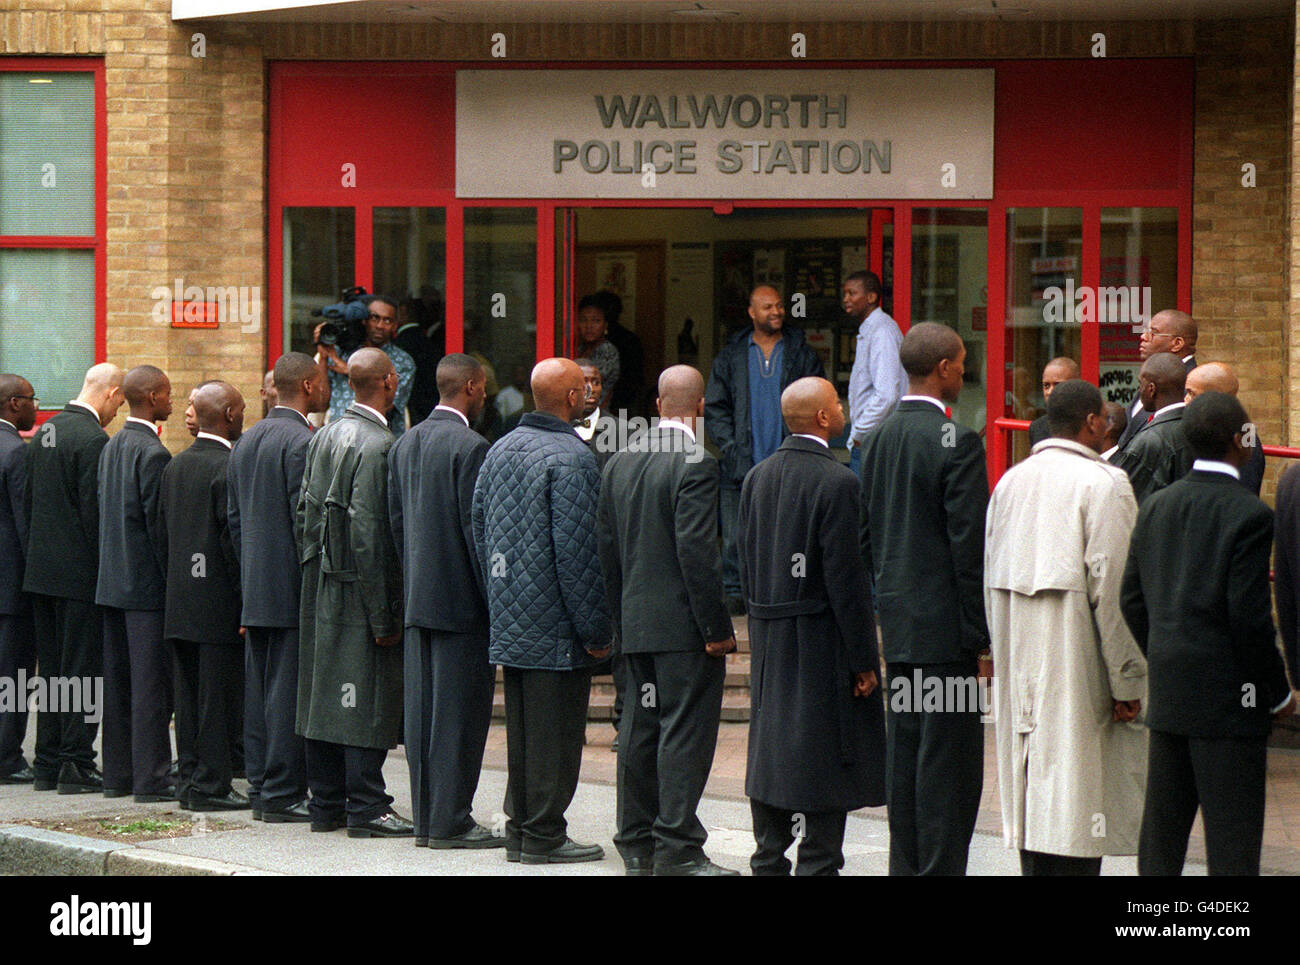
[{"x": 349, "y": 689}]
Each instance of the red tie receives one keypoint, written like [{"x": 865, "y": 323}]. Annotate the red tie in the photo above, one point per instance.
[
  {"x": 1151, "y": 416},
  {"x": 947, "y": 411}
]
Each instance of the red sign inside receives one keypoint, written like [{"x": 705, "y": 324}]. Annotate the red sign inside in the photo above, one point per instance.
[{"x": 194, "y": 314}]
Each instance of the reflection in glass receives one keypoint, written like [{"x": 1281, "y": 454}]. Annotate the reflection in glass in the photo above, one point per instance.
[
  {"x": 47, "y": 319},
  {"x": 410, "y": 265},
  {"x": 319, "y": 262}
]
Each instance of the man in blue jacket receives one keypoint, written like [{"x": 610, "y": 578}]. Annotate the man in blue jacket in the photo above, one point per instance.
[
  {"x": 534, "y": 519},
  {"x": 742, "y": 409}
]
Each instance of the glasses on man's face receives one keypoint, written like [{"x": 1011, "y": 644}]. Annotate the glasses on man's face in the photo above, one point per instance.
[
  {"x": 1152, "y": 335},
  {"x": 35, "y": 401}
]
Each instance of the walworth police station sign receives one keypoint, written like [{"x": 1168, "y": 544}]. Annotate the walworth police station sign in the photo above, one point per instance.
[{"x": 878, "y": 133}]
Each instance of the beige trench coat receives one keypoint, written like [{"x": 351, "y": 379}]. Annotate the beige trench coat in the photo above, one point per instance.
[{"x": 1072, "y": 781}]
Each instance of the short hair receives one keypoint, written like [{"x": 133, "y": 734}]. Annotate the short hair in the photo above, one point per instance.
[
  {"x": 454, "y": 370},
  {"x": 595, "y": 301},
  {"x": 1069, "y": 406},
  {"x": 925, "y": 345},
  {"x": 1210, "y": 421},
  {"x": 869, "y": 281},
  {"x": 1067, "y": 363},
  {"x": 389, "y": 300},
  {"x": 10, "y": 386},
  {"x": 140, "y": 381},
  {"x": 291, "y": 370}
]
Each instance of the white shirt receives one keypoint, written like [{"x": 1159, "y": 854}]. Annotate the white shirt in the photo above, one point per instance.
[
  {"x": 1169, "y": 408},
  {"x": 1213, "y": 465},
  {"x": 86, "y": 407},
  {"x": 208, "y": 435},
  {"x": 804, "y": 435},
  {"x": 925, "y": 398},
  {"x": 144, "y": 422},
  {"x": 289, "y": 408},
  {"x": 1110, "y": 452},
  {"x": 447, "y": 408},
  {"x": 586, "y": 432},
  {"x": 375, "y": 412},
  {"x": 674, "y": 424}
]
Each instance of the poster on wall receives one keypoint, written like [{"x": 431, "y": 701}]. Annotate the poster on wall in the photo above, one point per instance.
[
  {"x": 769, "y": 267},
  {"x": 1119, "y": 382},
  {"x": 616, "y": 272}
]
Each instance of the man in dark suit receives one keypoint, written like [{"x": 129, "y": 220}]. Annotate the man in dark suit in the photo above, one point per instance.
[
  {"x": 817, "y": 724},
  {"x": 657, "y": 526},
  {"x": 1219, "y": 377},
  {"x": 62, "y": 572},
  {"x": 1169, "y": 331},
  {"x": 424, "y": 384},
  {"x": 17, "y": 646},
  {"x": 1157, "y": 454},
  {"x": 201, "y": 619},
  {"x": 1286, "y": 563},
  {"x": 264, "y": 479},
  {"x": 350, "y": 666},
  {"x": 1055, "y": 372},
  {"x": 1196, "y": 598},
  {"x": 448, "y": 679},
  {"x": 924, "y": 495},
  {"x": 131, "y": 589}
]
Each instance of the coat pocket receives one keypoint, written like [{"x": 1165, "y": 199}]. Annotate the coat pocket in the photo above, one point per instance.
[{"x": 336, "y": 542}]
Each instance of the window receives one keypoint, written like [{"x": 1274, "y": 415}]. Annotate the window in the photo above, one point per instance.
[{"x": 48, "y": 227}]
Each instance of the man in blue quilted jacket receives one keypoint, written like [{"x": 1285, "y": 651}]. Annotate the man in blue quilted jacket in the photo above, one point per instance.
[{"x": 534, "y": 516}]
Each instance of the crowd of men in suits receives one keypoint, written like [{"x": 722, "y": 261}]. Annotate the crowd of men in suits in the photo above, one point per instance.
[{"x": 302, "y": 601}]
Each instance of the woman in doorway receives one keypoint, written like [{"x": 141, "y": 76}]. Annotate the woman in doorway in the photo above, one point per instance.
[{"x": 594, "y": 344}]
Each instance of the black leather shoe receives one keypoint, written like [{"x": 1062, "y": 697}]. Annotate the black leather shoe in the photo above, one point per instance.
[
  {"x": 297, "y": 814},
  {"x": 326, "y": 825},
  {"x": 638, "y": 867},
  {"x": 703, "y": 867},
  {"x": 476, "y": 837},
  {"x": 168, "y": 794},
  {"x": 79, "y": 779},
  {"x": 234, "y": 801},
  {"x": 25, "y": 776},
  {"x": 571, "y": 852},
  {"x": 390, "y": 824},
  {"x": 117, "y": 792},
  {"x": 421, "y": 841},
  {"x": 735, "y": 606},
  {"x": 45, "y": 783}
]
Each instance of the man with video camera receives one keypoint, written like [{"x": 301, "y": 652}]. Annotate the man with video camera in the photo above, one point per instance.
[{"x": 380, "y": 326}]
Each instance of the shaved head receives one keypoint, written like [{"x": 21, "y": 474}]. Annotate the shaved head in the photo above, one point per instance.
[
  {"x": 1166, "y": 372},
  {"x": 105, "y": 375},
  {"x": 140, "y": 381},
  {"x": 102, "y": 391},
  {"x": 219, "y": 408},
  {"x": 11, "y": 385},
  {"x": 811, "y": 406},
  {"x": 1068, "y": 368},
  {"x": 681, "y": 388},
  {"x": 1211, "y": 377},
  {"x": 367, "y": 369},
  {"x": 558, "y": 388}
]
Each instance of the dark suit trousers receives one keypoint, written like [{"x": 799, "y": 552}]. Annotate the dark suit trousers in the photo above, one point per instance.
[
  {"x": 447, "y": 687},
  {"x": 546, "y": 722},
  {"x": 138, "y": 700},
  {"x": 69, "y": 643},
  {"x": 821, "y": 840},
  {"x": 729, "y": 513},
  {"x": 346, "y": 779},
  {"x": 934, "y": 773},
  {"x": 665, "y": 750},
  {"x": 274, "y": 754},
  {"x": 1039, "y": 864},
  {"x": 17, "y": 652},
  {"x": 1226, "y": 778},
  {"x": 209, "y": 698}
]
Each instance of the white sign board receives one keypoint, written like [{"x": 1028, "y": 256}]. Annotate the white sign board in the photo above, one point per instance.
[{"x": 725, "y": 134}]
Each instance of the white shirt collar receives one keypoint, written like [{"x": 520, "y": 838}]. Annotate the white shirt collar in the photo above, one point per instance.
[
  {"x": 447, "y": 408},
  {"x": 86, "y": 407},
  {"x": 144, "y": 422},
  {"x": 1169, "y": 408},
  {"x": 1188, "y": 358},
  {"x": 1110, "y": 452},
  {"x": 805, "y": 435},
  {"x": 1213, "y": 465},
  {"x": 9, "y": 424},
  {"x": 289, "y": 408},
  {"x": 586, "y": 432},
  {"x": 925, "y": 398},
  {"x": 375, "y": 412},
  {"x": 208, "y": 435},
  {"x": 674, "y": 424}
]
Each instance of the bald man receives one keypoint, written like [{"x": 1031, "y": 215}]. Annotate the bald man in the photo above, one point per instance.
[
  {"x": 62, "y": 571},
  {"x": 17, "y": 646},
  {"x": 263, "y": 485},
  {"x": 742, "y": 408},
  {"x": 534, "y": 518},
  {"x": 659, "y": 552},
  {"x": 350, "y": 661},
  {"x": 1219, "y": 377},
  {"x": 1157, "y": 453},
  {"x": 816, "y": 727},
  {"x": 924, "y": 495},
  {"x": 1060, "y": 369},
  {"x": 1170, "y": 331},
  {"x": 201, "y": 619},
  {"x": 132, "y": 590}
]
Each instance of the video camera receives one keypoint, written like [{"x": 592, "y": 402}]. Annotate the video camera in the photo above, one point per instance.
[{"x": 345, "y": 320}]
